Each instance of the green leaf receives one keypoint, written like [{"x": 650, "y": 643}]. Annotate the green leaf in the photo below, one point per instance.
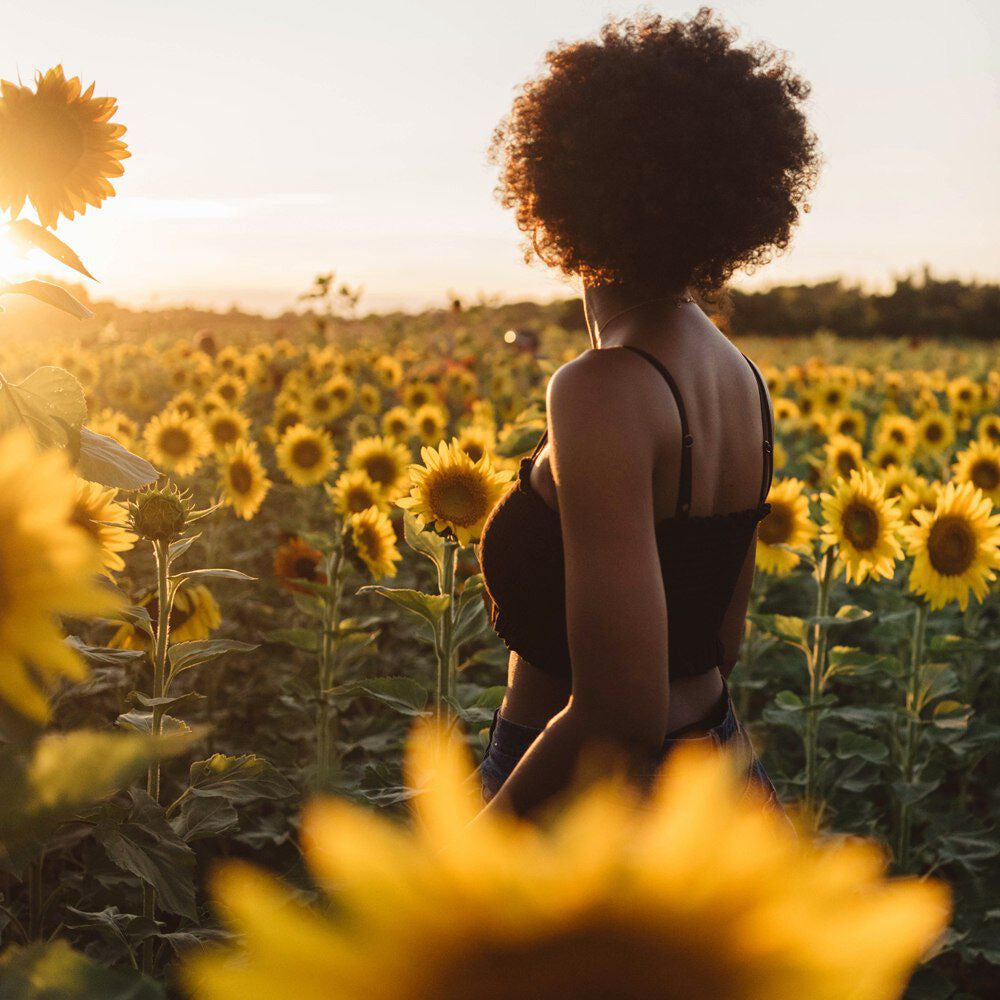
[
  {"x": 50, "y": 294},
  {"x": 142, "y": 722},
  {"x": 27, "y": 235},
  {"x": 952, "y": 715},
  {"x": 300, "y": 638},
  {"x": 402, "y": 694},
  {"x": 103, "y": 460},
  {"x": 126, "y": 929},
  {"x": 428, "y": 607},
  {"x": 216, "y": 574},
  {"x": 54, "y": 971},
  {"x": 785, "y": 627},
  {"x": 858, "y": 745},
  {"x": 789, "y": 701},
  {"x": 139, "y": 700},
  {"x": 237, "y": 779},
  {"x": 201, "y": 817},
  {"x": 137, "y": 617},
  {"x": 50, "y": 403},
  {"x": 104, "y": 655},
  {"x": 423, "y": 540},
  {"x": 849, "y": 661},
  {"x": 519, "y": 440},
  {"x": 847, "y": 614},
  {"x": 144, "y": 844},
  {"x": 470, "y": 614},
  {"x": 185, "y": 655}
]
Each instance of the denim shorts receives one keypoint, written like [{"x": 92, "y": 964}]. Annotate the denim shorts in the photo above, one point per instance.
[{"x": 509, "y": 741}]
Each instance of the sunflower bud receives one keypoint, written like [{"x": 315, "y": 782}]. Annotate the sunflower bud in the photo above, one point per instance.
[{"x": 160, "y": 513}]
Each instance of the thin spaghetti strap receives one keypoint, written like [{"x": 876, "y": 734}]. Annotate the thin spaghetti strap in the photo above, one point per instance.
[
  {"x": 765, "y": 419},
  {"x": 684, "y": 490}
]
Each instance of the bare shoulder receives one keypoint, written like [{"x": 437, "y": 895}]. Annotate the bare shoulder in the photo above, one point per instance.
[{"x": 598, "y": 410}]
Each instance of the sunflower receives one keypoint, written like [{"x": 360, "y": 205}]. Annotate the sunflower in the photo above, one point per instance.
[
  {"x": 294, "y": 560},
  {"x": 227, "y": 427},
  {"x": 898, "y": 430},
  {"x": 863, "y": 525},
  {"x": 354, "y": 492},
  {"x": 842, "y": 455},
  {"x": 306, "y": 454},
  {"x": 785, "y": 411},
  {"x": 477, "y": 440},
  {"x": 935, "y": 432},
  {"x": 114, "y": 424},
  {"x": 979, "y": 464},
  {"x": 887, "y": 456},
  {"x": 695, "y": 893},
  {"x": 230, "y": 388},
  {"x": 176, "y": 443},
  {"x": 374, "y": 540},
  {"x": 48, "y": 568},
  {"x": 919, "y": 493},
  {"x": 397, "y": 423},
  {"x": 988, "y": 428},
  {"x": 385, "y": 461},
  {"x": 430, "y": 422},
  {"x": 103, "y": 520},
  {"x": 418, "y": 394},
  {"x": 955, "y": 547},
  {"x": 453, "y": 493},
  {"x": 58, "y": 147},
  {"x": 788, "y": 524},
  {"x": 388, "y": 371},
  {"x": 195, "y": 615},
  {"x": 850, "y": 423},
  {"x": 243, "y": 479}
]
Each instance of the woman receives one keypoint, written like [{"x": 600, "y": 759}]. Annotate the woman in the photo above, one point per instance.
[{"x": 649, "y": 163}]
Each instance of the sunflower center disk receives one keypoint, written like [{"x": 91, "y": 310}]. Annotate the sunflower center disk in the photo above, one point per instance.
[
  {"x": 457, "y": 499},
  {"x": 776, "y": 528},
  {"x": 861, "y": 525},
  {"x": 985, "y": 475},
  {"x": 175, "y": 441},
  {"x": 240, "y": 477},
  {"x": 951, "y": 546},
  {"x": 306, "y": 454},
  {"x": 49, "y": 144}
]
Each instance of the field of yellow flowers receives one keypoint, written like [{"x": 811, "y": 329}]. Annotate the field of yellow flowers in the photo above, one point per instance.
[{"x": 242, "y": 630}]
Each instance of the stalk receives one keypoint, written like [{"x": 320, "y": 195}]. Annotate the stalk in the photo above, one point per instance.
[
  {"x": 910, "y": 731},
  {"x": 445, "y": 685},
  {"x": 816, "y": 663},
  {"x": 159, "y": 657},
  {"x": 326, "y": 719}
]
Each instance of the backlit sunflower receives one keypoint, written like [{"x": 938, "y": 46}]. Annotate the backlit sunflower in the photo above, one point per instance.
[
  {"x": 195, "y": 615},
  {"x": 863, "y": 525},
  {"x": 935, "y": 432},
  {"x": 243, "y": 479},
  {"x": 453, "y": 493},
  {"x": 385, "y": 460},
  {"x": 176, "y": 443},
  {"x": 230, "y": 388},
  {"x": 93, "y": 508},
  {"x": 375, "y": 542},
  {"x": 114, "y": 424},
  {"x": 354, "y": 492},
  {"x": 430, "y": 422},
  {"x": 294, "y": 560},
  {"x": 58, "y": 147},
  {"x": 842, "y": 455},
  {"x": 788, "y": 524},
  {"x": 306, "y": 454},
  {"x": 955, "y": 547},
  {"x": 979, "y": 464},
  {"x": 227, "y": 426},
  {"x": 694, "y": 894},
  {"x": 397, "y": 423},
  {"x": 48, "y": 568}
]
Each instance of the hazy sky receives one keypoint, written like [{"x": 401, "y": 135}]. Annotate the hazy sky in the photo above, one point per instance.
[{"x": 272, "y": 140}]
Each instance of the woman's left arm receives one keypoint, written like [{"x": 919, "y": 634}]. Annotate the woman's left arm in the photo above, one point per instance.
[{"x": 602, "y": 460}]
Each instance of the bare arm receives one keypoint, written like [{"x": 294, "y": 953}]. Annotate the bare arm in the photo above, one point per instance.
[{"x": 616, "y": 609}]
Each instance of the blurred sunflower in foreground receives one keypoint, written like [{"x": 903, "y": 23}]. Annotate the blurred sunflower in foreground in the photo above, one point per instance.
[
  {"x": 48, "y": 568},
  {"x": 452, "y": 492},
  {"x": 103, "y": 519},
  {"x": 58, "y": 147},
  {"x": 697, "y": 893}
]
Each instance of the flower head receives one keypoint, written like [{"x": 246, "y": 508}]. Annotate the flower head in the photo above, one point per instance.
[{"x": 375, "y": 541}]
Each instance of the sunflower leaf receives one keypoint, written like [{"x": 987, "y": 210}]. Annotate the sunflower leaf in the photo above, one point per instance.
[
  {"x": 28, "y": 235},
  {"x": 103, "y": 460},
  {"x": 49, "y": 293},
  {"x": 430, "y": 608},
  {"x": 426, "y": 542},
  {"x": 50, "y": 403}
]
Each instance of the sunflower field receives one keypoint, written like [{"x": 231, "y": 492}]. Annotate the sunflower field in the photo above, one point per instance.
[{"x": 246, "y": 665}]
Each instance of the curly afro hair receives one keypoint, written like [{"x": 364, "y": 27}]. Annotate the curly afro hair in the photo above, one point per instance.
[{"x": 658, "y": 155}]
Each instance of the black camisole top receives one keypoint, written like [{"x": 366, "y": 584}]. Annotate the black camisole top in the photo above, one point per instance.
[{"x": 521, "y": 559}]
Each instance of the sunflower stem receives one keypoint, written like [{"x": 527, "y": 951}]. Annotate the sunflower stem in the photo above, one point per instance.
[
  {"x": 816, "y": 662},
  {"x": 161, "y": 640},
  {"x": 914, "y": 676},
  {"x": 446, "y": 656},
  {"x": 327, "y": 719}
]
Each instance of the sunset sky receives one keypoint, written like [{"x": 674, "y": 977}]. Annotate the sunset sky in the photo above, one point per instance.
[{"x": 271, "y": 140}]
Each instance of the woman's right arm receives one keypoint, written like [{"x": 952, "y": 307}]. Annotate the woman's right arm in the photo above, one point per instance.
[{"x": 734, "y": 622}]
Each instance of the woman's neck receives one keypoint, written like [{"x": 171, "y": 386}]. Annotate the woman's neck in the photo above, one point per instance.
[{"x": 604, "y": 304}]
